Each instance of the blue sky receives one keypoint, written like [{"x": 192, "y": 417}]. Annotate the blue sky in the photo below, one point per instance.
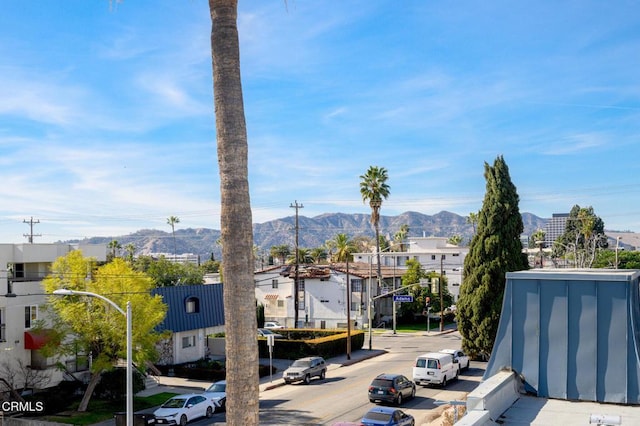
[{"x": 107, "y": 125}]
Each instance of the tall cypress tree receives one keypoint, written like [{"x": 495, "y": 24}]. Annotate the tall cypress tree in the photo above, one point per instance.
[{"x": 495, "y": 250}]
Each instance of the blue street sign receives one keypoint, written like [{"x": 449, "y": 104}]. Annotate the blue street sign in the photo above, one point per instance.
[{"x": 402, "y": 298}]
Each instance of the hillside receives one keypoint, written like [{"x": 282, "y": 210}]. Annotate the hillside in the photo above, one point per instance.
[{"x": 313, "y": 232}]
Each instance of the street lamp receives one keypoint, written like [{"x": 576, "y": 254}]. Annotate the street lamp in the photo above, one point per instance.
[
  {"x": 618, "y": 238},
  {"x": 127, "y": 314}
]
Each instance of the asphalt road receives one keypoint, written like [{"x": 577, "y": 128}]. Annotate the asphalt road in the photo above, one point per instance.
[{"x": 342, "y": 396}]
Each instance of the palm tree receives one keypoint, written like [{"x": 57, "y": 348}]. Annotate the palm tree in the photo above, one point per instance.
[
  {"x": 280, "y": 252},
  {"x": 472, "y": 219},
  {"x": 115, "y": 247},
  {"x": 171, "y": 221},
  {"x": 235, "y": 217},
  {"x": 131, "y": 250},
  {"x": 343, "y": 248},
  {"x": 319, "y": 254},
  {"x": 401, "y": 235},
  {"x": 374, "y": 188},
  {"x": 304, "y": 256}
]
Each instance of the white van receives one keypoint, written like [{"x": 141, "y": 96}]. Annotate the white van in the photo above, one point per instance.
[{"x": 434, "y": 368}]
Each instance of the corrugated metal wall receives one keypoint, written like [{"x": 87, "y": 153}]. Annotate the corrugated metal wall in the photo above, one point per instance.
[{"x": 572, "y": 334}]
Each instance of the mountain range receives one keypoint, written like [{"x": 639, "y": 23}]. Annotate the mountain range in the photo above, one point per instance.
[{"x": 312, "y": 232}]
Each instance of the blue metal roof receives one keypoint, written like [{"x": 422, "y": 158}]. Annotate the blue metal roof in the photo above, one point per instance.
[{"x": 209, "y": 312}]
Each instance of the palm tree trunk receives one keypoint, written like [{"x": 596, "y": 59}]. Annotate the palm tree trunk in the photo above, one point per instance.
[{"x": 236, "y": 226}]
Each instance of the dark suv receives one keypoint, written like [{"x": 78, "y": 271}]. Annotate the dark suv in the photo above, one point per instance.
[
  {"x": 393, "y": 388},
  {"x": 303, "y": 369}
]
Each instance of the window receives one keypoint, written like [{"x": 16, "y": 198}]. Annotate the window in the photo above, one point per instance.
[
  {"x": 30, "y": 316},
  {"x": 280, "y": 303},
  {"x": 192, "y": 305},
  {"x": 356, "y": 285},
  {"x": 188, "y": 342},
  {"x": 3, "y": 337},
  {"x": 274, "y": 283},
  {"x": 433, "y": 257}
]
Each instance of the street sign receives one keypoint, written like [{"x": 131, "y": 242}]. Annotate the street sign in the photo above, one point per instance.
[{"x": 402, "y": 298}]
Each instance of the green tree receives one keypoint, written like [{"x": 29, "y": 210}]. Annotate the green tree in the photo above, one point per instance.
[
  {"x": 210, "y": 266},
  {"x": 342, "y": 247},
  {"x": 130, "y": 248},
  {"x": 495, "y": 250},
  {"x": 235, "y": 217},
  {"x": 94, "y": 326},
  {"x": 114, "y": 248},
  {"x": 411, "y": 279},
  {"x": 319, "y": 255},
  {"x": 472, "y": 219},
  {"x": 401, "y": 235},
  {"x": 583, "y": 237},
  {"x": 304, "y": 257},
  {"x": 166, "y": 273},
  {"x": 171, "y": 221},
  {"x": 456, "y": 240},
  {"x": 626, "y": 259},
  {"x": 537, "y": 239},
  {"x": 374, "y": 189},
  {"x": 281, "y": 252}
]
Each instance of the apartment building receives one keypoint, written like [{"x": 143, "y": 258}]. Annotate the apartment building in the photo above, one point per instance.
[{"x": 22, "y": 269}]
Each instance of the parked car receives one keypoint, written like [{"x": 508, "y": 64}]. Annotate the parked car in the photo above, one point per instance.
[
  {"x": 387, "y": 416},
  {"x": 459, "y": 358},
  {"x": 304, "y": 369},
  {"x": 181, "y": 409},
  {"x": 264, "y": 332},
  {"x": 217, "y": 393},
  {"x": 392, "y": 388},
  {"x": 273, "y": 324}
]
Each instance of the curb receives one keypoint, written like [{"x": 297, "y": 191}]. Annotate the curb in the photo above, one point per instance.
[{"x": 373, "y": 354}]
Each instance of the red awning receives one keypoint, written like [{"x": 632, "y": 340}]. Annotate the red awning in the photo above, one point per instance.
[
  {"x": 35, "y": 339},
  {"x": 271, "y": 297}
]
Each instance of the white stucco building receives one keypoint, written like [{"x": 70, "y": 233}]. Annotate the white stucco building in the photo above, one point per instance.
[{"x": 22, "y": 269}]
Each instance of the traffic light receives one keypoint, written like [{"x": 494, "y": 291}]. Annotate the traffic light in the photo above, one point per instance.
[{"x": 427, "y": 302}]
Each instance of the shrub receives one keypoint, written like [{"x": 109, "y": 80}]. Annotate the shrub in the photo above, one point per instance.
[{"x": 112, "y": 384}]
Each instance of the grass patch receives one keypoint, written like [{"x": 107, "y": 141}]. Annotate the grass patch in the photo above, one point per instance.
[
  {"x": 99, "y": 411},
  {"x": 434, "y": 325}
]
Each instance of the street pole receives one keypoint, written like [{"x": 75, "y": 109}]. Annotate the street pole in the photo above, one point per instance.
[
  {"x": 394, "y": 301},
  {"x": 127, "y": 314},
  {"x": 441, "y": 297},
  {"x": 369, "y": 302}
]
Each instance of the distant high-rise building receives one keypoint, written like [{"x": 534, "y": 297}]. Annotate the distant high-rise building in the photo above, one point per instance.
[{"x": 554, "y": 228}]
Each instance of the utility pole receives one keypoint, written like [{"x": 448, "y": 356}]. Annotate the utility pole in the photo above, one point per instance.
[
  {"x": 296, "y": 301},
  {"x": 30, "y": 235},
  {"x": 441, "y": 297}
]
